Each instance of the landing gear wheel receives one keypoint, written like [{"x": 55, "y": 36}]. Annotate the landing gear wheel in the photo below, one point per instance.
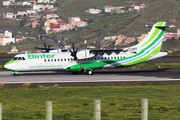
[
  {"x": 89, "y": 72},
  {"x": 74, "y": 73},
  {"x": 15, "y": 74}
]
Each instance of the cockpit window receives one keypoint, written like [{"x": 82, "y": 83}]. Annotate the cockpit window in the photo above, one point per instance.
[
  {"x": 19, "y": 58},
  {"x": 15, "y": 58}
]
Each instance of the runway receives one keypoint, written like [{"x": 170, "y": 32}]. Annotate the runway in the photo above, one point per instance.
[{"x": 99, "y": 76}]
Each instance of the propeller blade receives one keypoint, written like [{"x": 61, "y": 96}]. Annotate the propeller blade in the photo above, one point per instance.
[
  {"x": 45, "y": 45},
  {"x": 48, "y": 48},
  {"x": 73, "y": 46}
]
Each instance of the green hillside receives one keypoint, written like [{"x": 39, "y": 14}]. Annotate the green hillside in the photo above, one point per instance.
[{"x": 131, "y": 24}]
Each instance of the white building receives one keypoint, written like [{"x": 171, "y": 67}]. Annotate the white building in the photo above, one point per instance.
[
  {"x": 36, "y": 7},
  {"x": 109, "y": 8},
  {"x": 26, "y": 2},
  {"x": 43, "y": 1},
  {"x": 136, "y": 7},
  {"x": 31, "y": 12},
  {"x": 73, "y": 19},
  {"x": 6, "y": 3},
  {"x": 94, "y": 11},
  {"x": 48, "y": 16},
  {"x": 4, "y": 41},
  {"x": 21, "y": 13},
  {"x": 8, "y": 34}
]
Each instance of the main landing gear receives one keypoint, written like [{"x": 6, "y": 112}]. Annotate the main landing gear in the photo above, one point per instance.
[{"x": 89, "y": 72}]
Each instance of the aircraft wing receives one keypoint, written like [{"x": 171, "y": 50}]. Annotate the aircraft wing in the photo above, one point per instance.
[
  {"x": 43, "y": 48},
  {"x": 109, "y": 51}
]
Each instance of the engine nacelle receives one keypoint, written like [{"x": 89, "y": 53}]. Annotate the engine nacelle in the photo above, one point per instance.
[{"x": 83, "y": 54}]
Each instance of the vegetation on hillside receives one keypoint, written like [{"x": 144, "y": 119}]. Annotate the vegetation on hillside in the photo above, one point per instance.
[{"x": 131, "y": 24}]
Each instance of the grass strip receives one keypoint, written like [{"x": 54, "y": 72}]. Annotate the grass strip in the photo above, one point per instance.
[{"x": 117, "y": 102}]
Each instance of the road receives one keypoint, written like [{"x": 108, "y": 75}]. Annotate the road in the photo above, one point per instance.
[{"x": 100, "y": 76}]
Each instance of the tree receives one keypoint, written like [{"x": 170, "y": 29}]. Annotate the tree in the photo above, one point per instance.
[{"x": 56, "y": 4}]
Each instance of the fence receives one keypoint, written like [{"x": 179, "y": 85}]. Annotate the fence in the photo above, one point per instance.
[{"x": 97, "y": 110}]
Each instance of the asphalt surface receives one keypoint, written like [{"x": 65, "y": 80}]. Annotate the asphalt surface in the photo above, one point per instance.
[{"x": 107, "y": 76}]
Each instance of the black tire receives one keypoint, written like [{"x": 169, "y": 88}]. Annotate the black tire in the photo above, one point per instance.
[
  {"x": 15, "y": 74},
  {"x": 74, "y": 73}
]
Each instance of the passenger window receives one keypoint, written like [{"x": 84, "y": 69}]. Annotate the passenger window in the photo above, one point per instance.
[
  {"x": 48, "y": 60},
  {"x": 124, "y": 57},
  {"x": 114, "y": 57},
  {"x": 71, "y": 59},
  {"x": 111, "y": 57},
  {"x": 108, "y": 58},
  {"x": 61, "y": 59},
  {"x": 44, "y": 60},
  {"x": 58, "y": 59},
  {"x": 51, "y": 59},
  {"x": 68, "y": 59},
  {"x": 55, "y": 60},
  {"x": 23, "y": 58},
  {"x": 64, "y": 59},
  {"x": 117, "y": 57}
]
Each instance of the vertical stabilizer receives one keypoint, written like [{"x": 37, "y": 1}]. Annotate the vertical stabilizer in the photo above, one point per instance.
[{"x": 155, "y": 36}]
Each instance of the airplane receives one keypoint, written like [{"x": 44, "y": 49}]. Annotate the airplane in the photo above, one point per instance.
[{"x": 84, "y": 60}]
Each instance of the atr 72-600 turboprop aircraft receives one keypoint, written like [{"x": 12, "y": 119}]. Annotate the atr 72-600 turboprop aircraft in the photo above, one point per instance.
[{"x": 76, "y": 61}]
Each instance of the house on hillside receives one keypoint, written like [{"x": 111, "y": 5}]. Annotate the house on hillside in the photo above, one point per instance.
[
  {"x": 93, "y": 11},
  {"x": 171, "y": 35},
  {"x": 35, "y": 23},
  {"x": 7, "y": 38},
  {"x": 72, "y": 20},
  {"x": 43, "y": 1},
  {"x": 136, "y": 7},
  {"x": 9, "y": 15},
  {"x": 6, "y": 3},
  {"x": 36, "y": 7},
  {"x": 120, "y": 39},
  {"x": 129, "y": 40},
  {"x": 26, "y": 2},
  {"x": 109, "y": 9},
  {"x": 142, "y": 6},
  {"x": 31, "y": 12}
]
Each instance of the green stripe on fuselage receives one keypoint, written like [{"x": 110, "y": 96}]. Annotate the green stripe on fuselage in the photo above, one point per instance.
[{"x": 12, "y": 61}]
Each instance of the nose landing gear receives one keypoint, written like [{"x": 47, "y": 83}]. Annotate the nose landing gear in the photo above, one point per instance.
[{"x": 16, "y": 73}]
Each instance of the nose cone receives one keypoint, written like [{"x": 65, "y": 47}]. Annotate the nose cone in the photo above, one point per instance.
[{"x": 9, "y": 65}]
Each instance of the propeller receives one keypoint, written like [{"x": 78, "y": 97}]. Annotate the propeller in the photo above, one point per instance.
[
  {"x": 47, "y": 49},
  {"x": 74, "y": 52}
]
